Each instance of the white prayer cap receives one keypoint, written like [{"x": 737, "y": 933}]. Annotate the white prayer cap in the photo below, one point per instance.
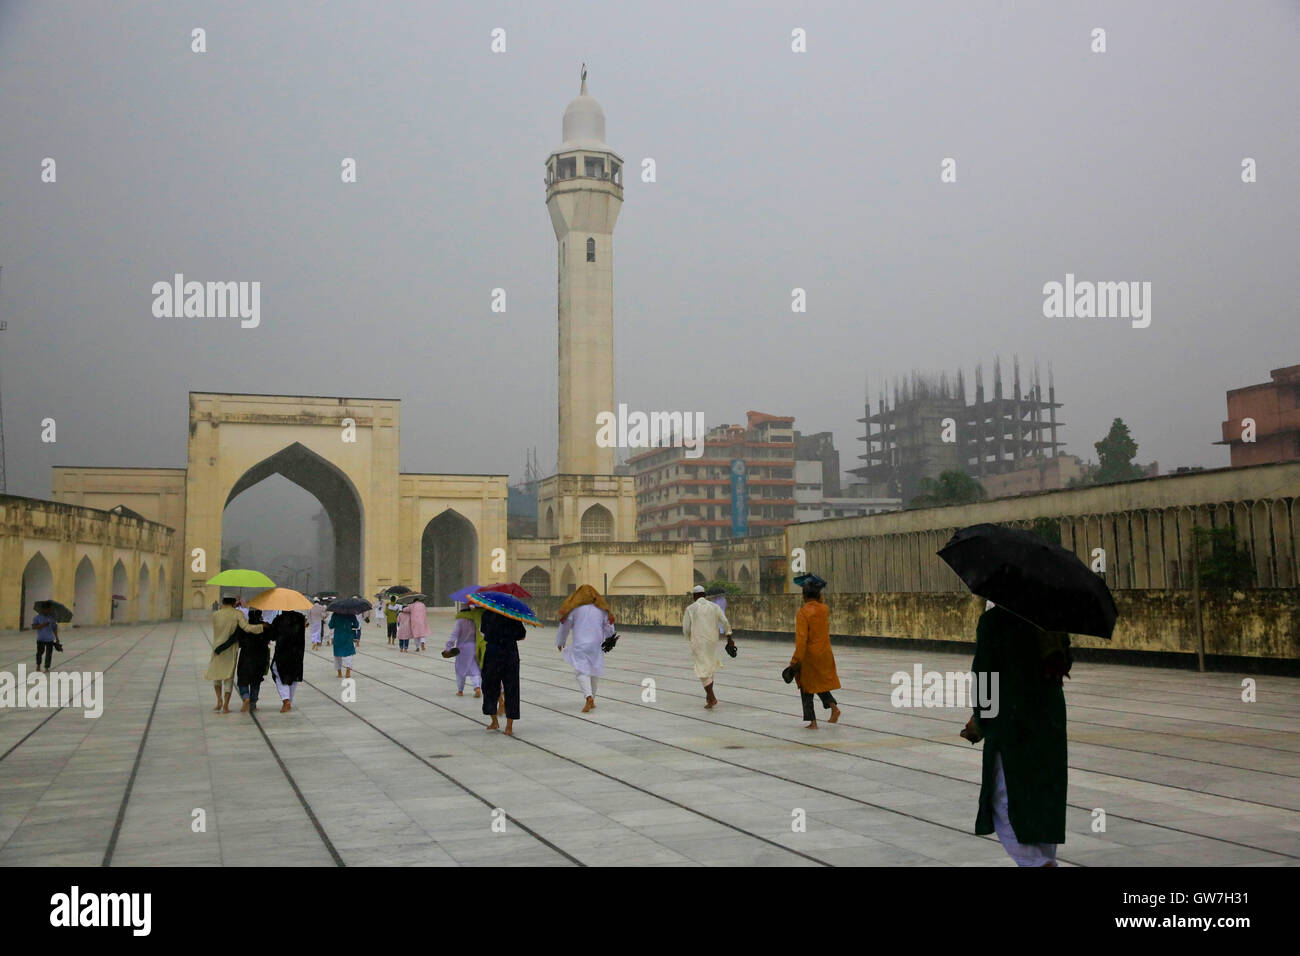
[{"x": 698, "y": 589}]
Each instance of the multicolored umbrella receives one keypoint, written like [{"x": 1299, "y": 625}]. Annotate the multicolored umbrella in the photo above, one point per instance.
[
  {"x": 507, "y": 605},
  {"x": 281, "y": 599},
  {"x": 508, "y": 588},
  {"x": 413, "y": 597}
]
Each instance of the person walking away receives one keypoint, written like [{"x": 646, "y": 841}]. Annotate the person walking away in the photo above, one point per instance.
[
  {"x": 812, "y": 656},
  {"x": 1024, "y": 776},
  {"x": 586, "y": 616},
  {"x": 419, "y": 623},
  {"x": 47, "y": 633},
  {"x": 289, "y": 632},
  {"x": 391, "y": 608},
  {"x": 254, "y": 658},
  {"x": 226, "y": 621},
  {"x": 702, "y": 623},
  {"x": 347, "y": 634},
  {"x": 464, "y": 636},
  {"x": 316, "y": 623},
  {"x": 501, "y": 667},
  {"x": 403, "y": 628}
]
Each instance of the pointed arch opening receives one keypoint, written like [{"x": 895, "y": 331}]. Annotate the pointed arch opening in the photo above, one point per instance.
[
  {"x": 597, "y": 524},
  {"x": 637, "y": 578},
  {"x": 38, "y": 585},
  {"x": 85, "y": 602},
  {"x": 448, "y": 556},
  {"x": 313, "y": 545},
  {"x": 121, "y": 606},
  {"x": 536, "y": 581},
  {"x": 144, "y": 594}
]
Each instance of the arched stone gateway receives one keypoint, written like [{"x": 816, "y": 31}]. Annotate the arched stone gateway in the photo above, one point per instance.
[
  {"x": 448, "y": 556},
  {"x": 325, "y": 482},
  {"x": 38, "y": 585}
]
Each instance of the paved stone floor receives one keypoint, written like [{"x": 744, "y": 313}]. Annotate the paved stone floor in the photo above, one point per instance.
[{"x": 1185, "y": 772}]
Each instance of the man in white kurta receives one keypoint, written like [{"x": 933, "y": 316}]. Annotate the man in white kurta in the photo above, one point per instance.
[
  {"x": 590, "y": 627},
  {"x": 315, "y": 623},
  {"x": 702, "y": 625}
]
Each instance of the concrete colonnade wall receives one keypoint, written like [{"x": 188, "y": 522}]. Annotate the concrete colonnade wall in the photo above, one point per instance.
[
  {"x": 1145, "y": 529},
  {"x": 73, "y": 553}
]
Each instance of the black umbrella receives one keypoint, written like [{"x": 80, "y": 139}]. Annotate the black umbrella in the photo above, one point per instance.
[
  {"x": 608, "y": 644},
  {"x": 349, "y": 605},
  {"x": 397, "y": 589},
  {"x": 714, "y": 592},
  {"x": 1032, "y": 578},
  {"x": 412, "y": 598},
  {"x": 325, "y": 595},
  {"x": 55, "y": 610}
]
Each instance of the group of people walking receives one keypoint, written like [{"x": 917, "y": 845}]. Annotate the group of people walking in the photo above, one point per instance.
[{"x": 1023, "y": 781}]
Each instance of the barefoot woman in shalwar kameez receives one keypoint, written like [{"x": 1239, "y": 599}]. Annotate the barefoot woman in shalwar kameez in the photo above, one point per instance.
[
  {"x": 463, "y": 645},
  {"x": 587, "y": 617}
]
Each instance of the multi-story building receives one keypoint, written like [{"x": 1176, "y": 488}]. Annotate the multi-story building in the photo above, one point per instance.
[
  {"x": 689, "y": 499},
  {"x": 1264, "y": 420}
]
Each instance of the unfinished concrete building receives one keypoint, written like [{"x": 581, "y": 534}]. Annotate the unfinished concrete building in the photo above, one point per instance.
[{"x": 925, "y": 426}]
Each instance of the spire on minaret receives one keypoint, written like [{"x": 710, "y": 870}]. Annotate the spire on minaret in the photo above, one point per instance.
[{"x": 583, "y": 91}]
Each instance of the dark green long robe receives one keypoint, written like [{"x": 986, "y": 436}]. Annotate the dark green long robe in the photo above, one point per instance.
[{"x": 1029, "y": 729}]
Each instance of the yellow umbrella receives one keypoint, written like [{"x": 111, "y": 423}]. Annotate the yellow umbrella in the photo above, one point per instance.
[{"x": 281, "y": 599}]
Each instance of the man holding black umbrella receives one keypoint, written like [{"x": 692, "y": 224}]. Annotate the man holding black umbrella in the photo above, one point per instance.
[{"x": 47, "y": 633}]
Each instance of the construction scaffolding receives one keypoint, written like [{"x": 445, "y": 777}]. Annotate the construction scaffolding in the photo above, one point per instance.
[{"x": 929, "y": 427}]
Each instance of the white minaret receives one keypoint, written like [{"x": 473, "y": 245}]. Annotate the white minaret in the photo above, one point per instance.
[{"x": 584, "y": 192}]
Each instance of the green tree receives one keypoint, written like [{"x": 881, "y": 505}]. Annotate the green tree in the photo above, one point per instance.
[
  {"x": 1049, "y": 528},
  {"x": 1115, "y": 454},
  {"x": 950, "y": 488},
  {"x": 1223, "y": 563},
  {"x": 725, "y": 585}
]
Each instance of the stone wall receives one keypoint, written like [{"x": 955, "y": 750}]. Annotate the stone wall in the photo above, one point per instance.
[{"x": 1251, "y": 625}]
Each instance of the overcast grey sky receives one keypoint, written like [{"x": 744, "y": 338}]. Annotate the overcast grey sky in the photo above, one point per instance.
[{"x": 775, "y": 170}]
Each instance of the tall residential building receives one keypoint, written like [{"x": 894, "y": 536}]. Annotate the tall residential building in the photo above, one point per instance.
[
  {"x": 689, "y": 499},
  {"x": 1274, "y": 409}
]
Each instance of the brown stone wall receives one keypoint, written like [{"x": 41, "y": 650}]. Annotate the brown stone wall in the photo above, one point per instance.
[{"x": 1262, "y": 623}]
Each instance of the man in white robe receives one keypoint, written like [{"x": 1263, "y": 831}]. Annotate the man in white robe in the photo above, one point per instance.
[
  {"x": 316, "y": 623},
  {"x": 590, "y": 627},
  {"x": 703, "y": 623}
]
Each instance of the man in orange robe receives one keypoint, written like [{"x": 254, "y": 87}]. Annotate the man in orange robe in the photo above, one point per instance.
[{"x": 813, "y": 661}]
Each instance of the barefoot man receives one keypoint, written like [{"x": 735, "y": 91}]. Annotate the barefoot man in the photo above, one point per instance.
[
  {"x": 702, "y": 624},
  {"x": 221, "y": 668},
  {"x": 588, "y": 618}
]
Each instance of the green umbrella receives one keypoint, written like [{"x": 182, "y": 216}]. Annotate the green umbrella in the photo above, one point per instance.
[{"x": 242, "y": 578}]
